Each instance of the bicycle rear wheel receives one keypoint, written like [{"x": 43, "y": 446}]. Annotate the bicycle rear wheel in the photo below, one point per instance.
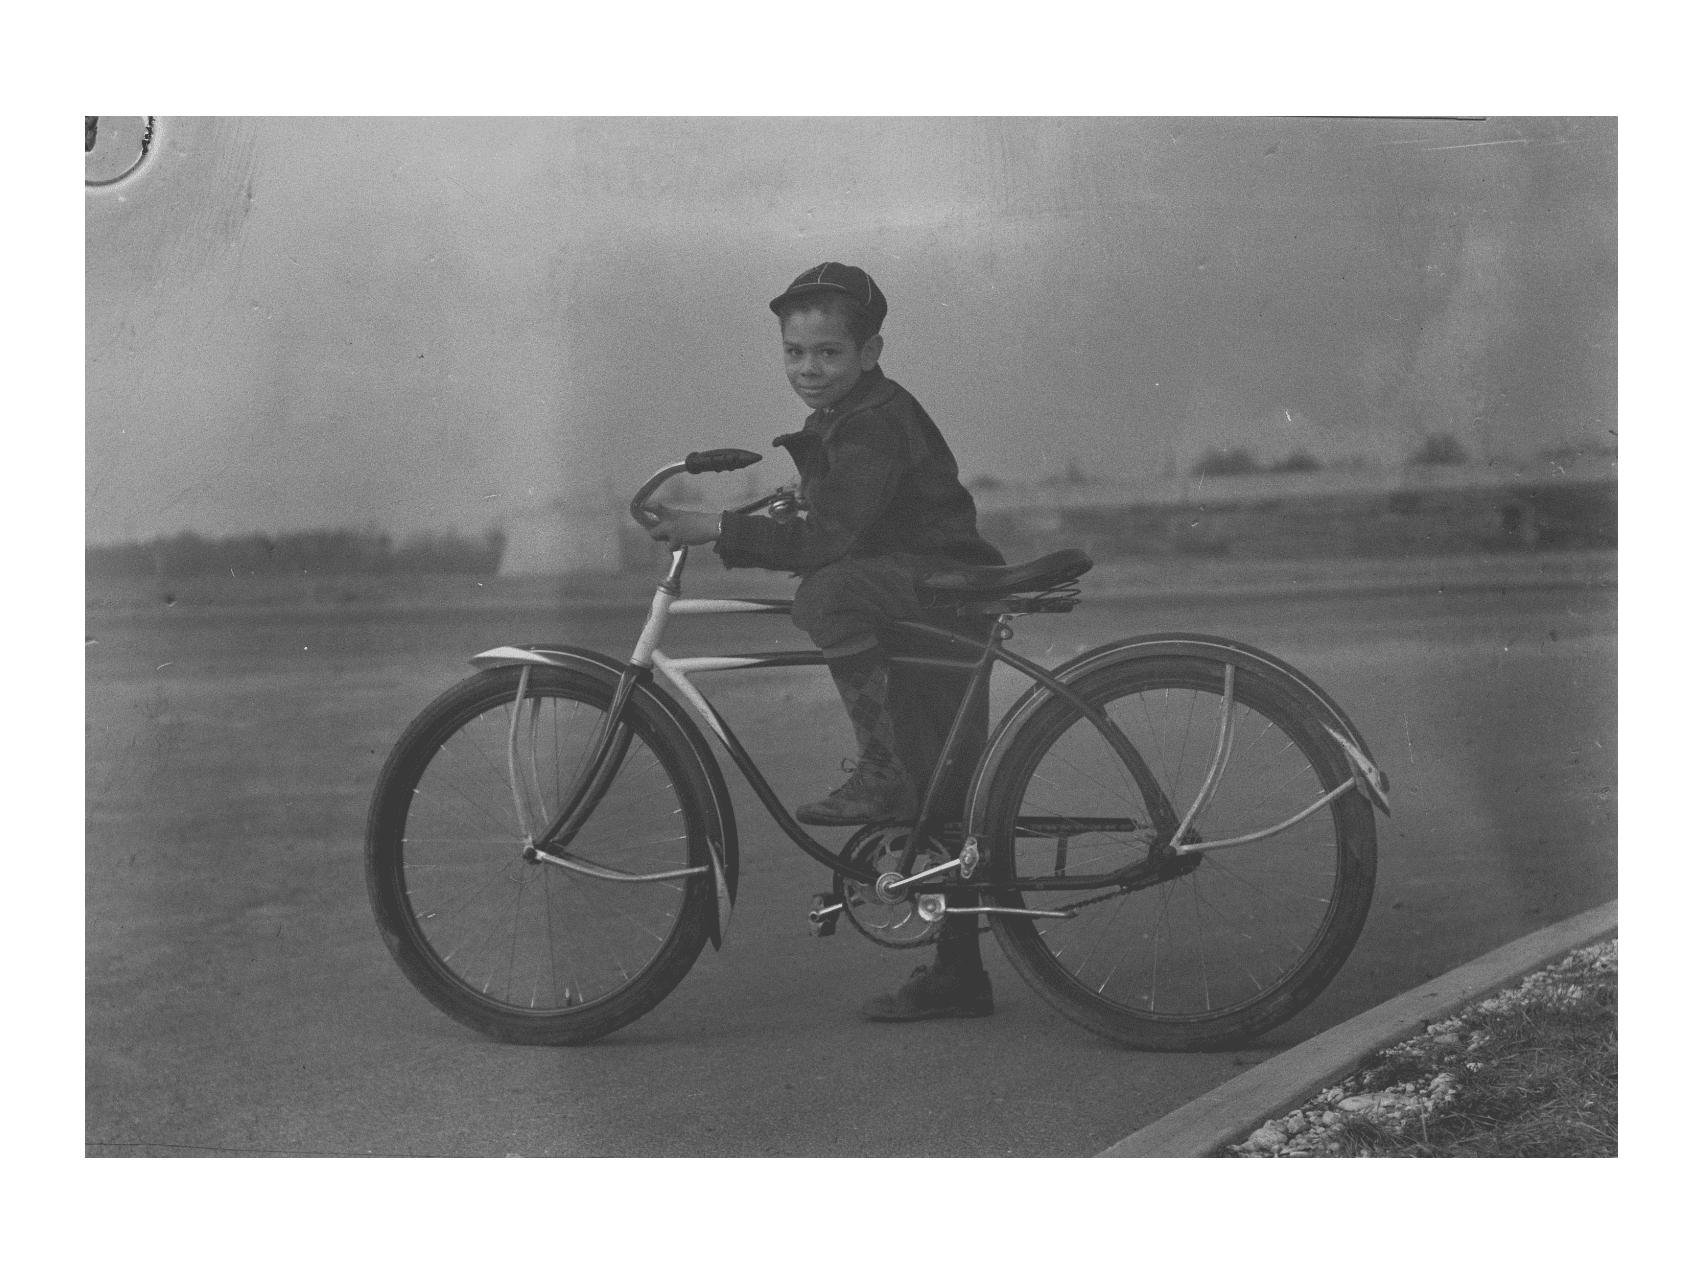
[
  {"x": 529, "y": 952},
  {"x": 1251, "y": 935}
]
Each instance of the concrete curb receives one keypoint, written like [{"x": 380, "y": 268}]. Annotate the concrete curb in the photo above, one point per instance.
[{"x": 1231, "y": 1111}]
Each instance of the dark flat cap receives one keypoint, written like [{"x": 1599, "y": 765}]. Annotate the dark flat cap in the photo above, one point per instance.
[{"x": 831, "y": 276}]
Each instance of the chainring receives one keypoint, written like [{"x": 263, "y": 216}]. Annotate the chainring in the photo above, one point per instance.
[{"x": 880, "y": 847}]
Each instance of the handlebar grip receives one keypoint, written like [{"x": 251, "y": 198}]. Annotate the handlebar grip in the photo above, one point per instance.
[{"x": 720, "y": 460}]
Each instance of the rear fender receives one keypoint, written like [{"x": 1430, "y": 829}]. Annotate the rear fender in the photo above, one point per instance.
[
  {"x": 1373, "y": 782},
  {"x": 723, "y": 831}
]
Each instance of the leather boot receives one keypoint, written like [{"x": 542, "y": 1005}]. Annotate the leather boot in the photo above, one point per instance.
[
  {"x": 928, "y": 993},
  {"x": 875, "y": 793},
  {"x": 956, "y": 985}
]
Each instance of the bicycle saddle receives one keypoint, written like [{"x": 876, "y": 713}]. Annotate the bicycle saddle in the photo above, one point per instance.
[{"x": 1051, "y": 571}]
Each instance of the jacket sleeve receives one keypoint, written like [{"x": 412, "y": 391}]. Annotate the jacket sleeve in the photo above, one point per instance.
[{"x": 866, "y": 459}]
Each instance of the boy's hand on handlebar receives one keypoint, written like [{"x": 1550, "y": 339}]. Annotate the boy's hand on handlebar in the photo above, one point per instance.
[{"x": 680, "y": 527}]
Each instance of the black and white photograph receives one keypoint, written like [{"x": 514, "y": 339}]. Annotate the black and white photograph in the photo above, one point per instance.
[{"x": 898, "y": 637}]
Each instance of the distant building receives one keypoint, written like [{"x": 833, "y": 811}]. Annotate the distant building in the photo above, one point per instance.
[{"x": 1560, "y": 501}]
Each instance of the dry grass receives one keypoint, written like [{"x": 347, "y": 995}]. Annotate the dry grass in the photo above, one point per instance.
[
  {"x": 1531, "y": 1072},
  {"x": 1546, "y": 1085}
]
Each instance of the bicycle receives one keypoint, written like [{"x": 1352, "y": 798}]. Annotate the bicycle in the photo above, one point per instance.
[{"x": 551, "y": 842}]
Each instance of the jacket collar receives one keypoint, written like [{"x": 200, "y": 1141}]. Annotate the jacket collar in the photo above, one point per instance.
[{"x": 871, "y": 390}]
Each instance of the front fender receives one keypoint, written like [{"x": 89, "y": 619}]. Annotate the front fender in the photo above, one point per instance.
[
  {"x": 1251, "y": 658},
  {"x": 724, "y": 834}
]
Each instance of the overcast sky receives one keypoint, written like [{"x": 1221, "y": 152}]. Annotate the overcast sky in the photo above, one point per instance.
[{"x": 433, "y": 324}]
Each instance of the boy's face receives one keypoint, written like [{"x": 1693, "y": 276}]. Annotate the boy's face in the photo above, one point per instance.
[{"x": 822, "y": 363}]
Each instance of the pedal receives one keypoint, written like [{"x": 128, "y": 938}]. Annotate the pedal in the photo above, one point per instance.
[{"x": 824, "y": 915}]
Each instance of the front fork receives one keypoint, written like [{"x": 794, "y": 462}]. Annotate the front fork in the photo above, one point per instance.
[
  {"x": 593, "y": 781},
  {"x": 595, "y": 778},
  {"x": 590, "y": 787}
]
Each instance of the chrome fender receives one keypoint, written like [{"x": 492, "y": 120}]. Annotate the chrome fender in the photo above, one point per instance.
[
  {"x": 1372, "y": 781},
  {"x": 724, "y": 831}
]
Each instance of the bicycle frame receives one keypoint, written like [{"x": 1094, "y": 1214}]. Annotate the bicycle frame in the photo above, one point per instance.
[
  {"x": 649, "y": 659},
  {"x": 1170, "y": 853},
  {"x": 648, "y": 654}
]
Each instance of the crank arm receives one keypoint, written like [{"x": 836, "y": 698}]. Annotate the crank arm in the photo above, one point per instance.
[{"x": 887, "y": 889}]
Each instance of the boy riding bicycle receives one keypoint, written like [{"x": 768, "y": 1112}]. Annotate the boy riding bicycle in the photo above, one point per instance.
[{"x": 883, "y": 508}]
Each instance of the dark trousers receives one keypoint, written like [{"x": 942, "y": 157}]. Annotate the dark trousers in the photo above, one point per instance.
[{"x": 844, "y": 607}]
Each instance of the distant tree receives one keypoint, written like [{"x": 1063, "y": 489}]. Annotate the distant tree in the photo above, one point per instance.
[
  {"x": 1219, "y": 463},
  {"x": 1439, "y": 449},
  {"x": 1297, "y": 462},
  {"x": 332, "y": 552}
]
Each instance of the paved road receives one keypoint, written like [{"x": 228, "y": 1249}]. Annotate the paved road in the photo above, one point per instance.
[{"x": 239, "y": 998}]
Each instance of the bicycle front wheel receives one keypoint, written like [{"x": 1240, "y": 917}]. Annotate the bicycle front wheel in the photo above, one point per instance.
[
  {"x": 1247, "y": 938},
  {"x": 528, "y": 952}
]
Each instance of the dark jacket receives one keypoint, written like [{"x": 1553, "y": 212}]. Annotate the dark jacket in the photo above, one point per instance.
[{"x": 876, "y": 479}]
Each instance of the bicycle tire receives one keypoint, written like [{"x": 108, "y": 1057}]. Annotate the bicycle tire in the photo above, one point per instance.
[
  {"x": 449, "y": 887},
  {"x": 1225, "y": 953}
]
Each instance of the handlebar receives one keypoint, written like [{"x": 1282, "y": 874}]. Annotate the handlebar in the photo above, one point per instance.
[{"x": 719, "y": 460}]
